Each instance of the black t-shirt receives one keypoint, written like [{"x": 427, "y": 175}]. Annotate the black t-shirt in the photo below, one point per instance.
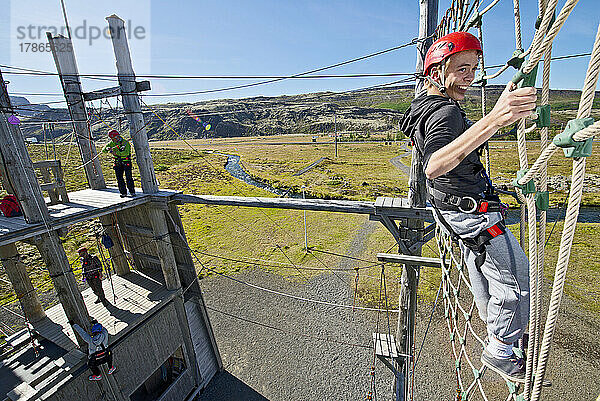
[{"x": 435, "y": 121}]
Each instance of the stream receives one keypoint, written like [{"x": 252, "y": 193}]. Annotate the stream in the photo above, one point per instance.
[{"x": 233, "y": 166}]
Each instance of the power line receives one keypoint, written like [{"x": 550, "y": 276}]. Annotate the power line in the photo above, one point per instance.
[
  {"x": 268, "y": 81},
  {"x": 229, "y": 77},
  {"x": 298, "y": 298}
]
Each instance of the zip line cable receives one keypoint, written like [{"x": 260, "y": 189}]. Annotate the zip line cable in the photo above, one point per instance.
[
  {"x": 287, "y": 331},
  {"x": 278, "y": 78},
  {"x": 238, "y": 190},
  {"x": 99, "y": 76},
  {"x": 275, "y": 292}
]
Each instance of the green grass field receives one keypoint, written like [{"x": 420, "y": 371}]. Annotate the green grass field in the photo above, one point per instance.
[{"x": 276, "y": 237}]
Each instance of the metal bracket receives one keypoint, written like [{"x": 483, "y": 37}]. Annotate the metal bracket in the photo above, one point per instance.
[
  {"x": 395, "y": 231},
  {"x": 428, "y": 234}
]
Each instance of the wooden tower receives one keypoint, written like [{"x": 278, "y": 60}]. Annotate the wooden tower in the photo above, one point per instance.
[{"x": 160, "y": 335}]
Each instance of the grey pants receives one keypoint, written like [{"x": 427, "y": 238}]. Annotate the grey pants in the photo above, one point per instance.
[{"x": 501, "y": 288}]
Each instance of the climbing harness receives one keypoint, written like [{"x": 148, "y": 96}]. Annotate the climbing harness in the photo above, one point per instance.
[{"x": 466, "y": 204}]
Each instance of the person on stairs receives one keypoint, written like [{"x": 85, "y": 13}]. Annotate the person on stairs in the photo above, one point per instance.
[
  {"x": 121, "y": 150},
  {"x": 92, "y": 273},
  {"x": 98, "y": 351},
  {"x": 463, "y": 198}
]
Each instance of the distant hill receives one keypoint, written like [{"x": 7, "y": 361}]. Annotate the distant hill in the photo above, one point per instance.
[
  {"x": 356, "y": 113},
  {"x": 25, "y": 108}
]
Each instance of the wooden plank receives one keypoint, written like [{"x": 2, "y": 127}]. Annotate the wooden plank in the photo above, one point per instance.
[
  {"x": 398, "y": 202},
  {"x": 385, "y": 345},
  {"x": 18, "y": 165},
  {"x": 114, "y": 91},
  {"x": 64, "y": 215},
  {"x": 66, "y": 65},
  {"x": 131, "y": 104},
  {"x": 358, "y": 207},
  {"x": 148, "y": 258},
  {"x": 143, "y": 231},
  {"x": 46, "y": 164},
  {"x": 49, "y": 187},
  {"x": 133, "y": 300},
  {"x": 410, "y": 260},
  {"x": 21, "y": 282},
  {"x": 12, "y": 223}
]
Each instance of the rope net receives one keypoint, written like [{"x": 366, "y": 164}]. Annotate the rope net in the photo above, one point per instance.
[{"x": 467, "y": 332}]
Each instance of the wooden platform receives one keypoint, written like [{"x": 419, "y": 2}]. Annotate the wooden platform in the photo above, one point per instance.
[
  {"x": 394, "y": 208},
  {"x": 400, "y": 208},
  {"x": 136, "y": 294},
  {"x": 83, "y": 205},
  {"x": 411, "y": 260}
]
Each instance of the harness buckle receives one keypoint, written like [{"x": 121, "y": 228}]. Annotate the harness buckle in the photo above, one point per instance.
[{"x": 471, "y": 209}]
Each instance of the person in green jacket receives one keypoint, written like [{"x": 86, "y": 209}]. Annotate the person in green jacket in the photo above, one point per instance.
[{"x": 121, "y": 150}]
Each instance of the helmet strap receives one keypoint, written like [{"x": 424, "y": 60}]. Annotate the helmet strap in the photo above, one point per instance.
[{"x": 441, "y": 86}]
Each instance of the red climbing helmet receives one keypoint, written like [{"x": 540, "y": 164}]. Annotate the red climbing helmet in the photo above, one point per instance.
[
  {"x": 112, "y": 134},
  {"x": 448, "y": 45}
]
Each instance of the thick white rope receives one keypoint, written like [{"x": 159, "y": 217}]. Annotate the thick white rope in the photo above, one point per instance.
[
  {"x": 489, "y": 7},
  {"x": 518, "y": 37},
  {"x": 543, "y": 187},
  {"x": 537, "y": 256},
  {"x": 538, "y": 50},
  {"x": 566, "y": 242}
]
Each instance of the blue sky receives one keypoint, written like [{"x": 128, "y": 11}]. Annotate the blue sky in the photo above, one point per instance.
[{"x": 266, "y": 37}]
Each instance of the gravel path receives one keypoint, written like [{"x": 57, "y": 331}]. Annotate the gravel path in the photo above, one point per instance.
[
  {"x": 264, "y": 364},
  {"x": 396, "y": 162},
  {"x": 261, "y": 363}
]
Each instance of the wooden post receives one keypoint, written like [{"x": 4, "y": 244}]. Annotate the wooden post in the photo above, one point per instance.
[
  {"x": 18, "y": 276},
  {"x": 4, "y": 177},
  {"x": 66, "y": 65},
  {"x": 21, "y": 174},
  {"x": 427, "y": 25},
  {"x": 414, "y": 227},
  {"x": 62, "y": 276},
  {"x": 168, "y": 263},
  {"x": 335, "y": 130},
  {"x": 164, "y": 247},
  {"x": 117, "y": 253},
  {"x": 18, "y": 166},
  {"x": 131, "y": 104}
]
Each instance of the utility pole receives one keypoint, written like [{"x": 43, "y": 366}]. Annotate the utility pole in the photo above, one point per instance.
[
  {"x": 157, "y": 213},
  {"x": 64, "y": 59},
  {"x": 66, "y": 65},
  {"x": 405, "y": 331},
  {"x": 335, "y": 130},
  {"x": 20, "y": 172},
  {"x": 131, "y": 104},
  {"x": 305, "y": 231}
]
